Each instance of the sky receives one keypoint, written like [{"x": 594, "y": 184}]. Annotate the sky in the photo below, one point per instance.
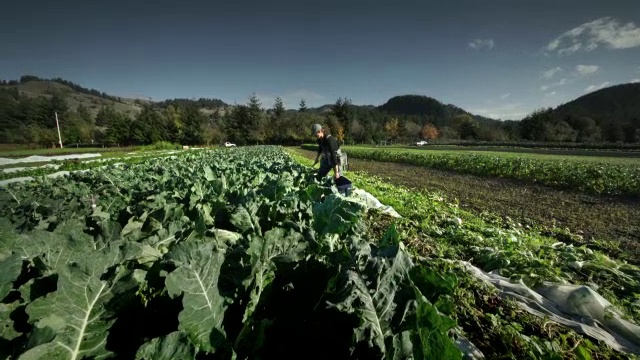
[{"x": 501, "y": 59}]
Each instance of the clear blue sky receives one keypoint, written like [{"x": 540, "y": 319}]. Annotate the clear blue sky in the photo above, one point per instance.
[{"x": 496, "y": 58}]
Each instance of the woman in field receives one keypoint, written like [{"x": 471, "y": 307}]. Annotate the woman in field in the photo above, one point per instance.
[{"x": 328, "y": 152}]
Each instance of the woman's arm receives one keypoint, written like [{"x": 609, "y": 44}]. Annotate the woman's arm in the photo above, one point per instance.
[{"x": 333, "y": 147}]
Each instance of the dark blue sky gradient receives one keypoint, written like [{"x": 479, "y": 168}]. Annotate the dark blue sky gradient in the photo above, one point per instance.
[{"x": 368, "y": 51}]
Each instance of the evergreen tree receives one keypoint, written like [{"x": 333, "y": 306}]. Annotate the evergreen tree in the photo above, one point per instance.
[
  {"x": 105, "y": 116},
  {"x": 119, "y": 130},
  {"x": 193, "y": 122},
  {"x": 278, "y": 108},
  {"x": 303, "y": 106},
  {"x": 255, "y": 126},
  {"x": 236, "y": 128}
]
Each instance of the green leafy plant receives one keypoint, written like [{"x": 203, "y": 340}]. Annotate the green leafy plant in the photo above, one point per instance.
[{"x": 232, "y": 254}]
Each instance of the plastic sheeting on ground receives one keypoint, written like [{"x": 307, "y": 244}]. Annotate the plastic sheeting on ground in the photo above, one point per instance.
[
  {"x": 38, "y": 158},
  {"x": 578, "y": 307},
  {"x": 16, "y": 169},
  {"x": 370, "y": 201},
  {"x": 52, "y": 175},
  {"x": 15, "y": 180},
  {"x": 30, "y": 178}
]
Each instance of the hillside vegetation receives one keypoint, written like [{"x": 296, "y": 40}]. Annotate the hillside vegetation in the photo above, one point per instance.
[{"x": 27, "y": 108}]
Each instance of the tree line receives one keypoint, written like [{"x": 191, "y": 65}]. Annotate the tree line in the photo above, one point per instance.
[
  {"x": 30, "y": 120},
  {"x": 545, "y": 125}
]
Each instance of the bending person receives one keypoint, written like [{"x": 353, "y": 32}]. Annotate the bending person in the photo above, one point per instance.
[{"x": 328, "y": 152}]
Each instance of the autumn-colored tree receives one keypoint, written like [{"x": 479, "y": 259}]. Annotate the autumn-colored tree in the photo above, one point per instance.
[
  {"x": 429, "y": 131},
  {"x": 392, "y": 128},
  {"x": 334, "y": 127},
  {"x": 339, "y": 132}
]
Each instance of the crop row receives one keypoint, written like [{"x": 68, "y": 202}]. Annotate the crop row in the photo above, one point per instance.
[
  {"x": 229, "y": 253},
  {"x": 599, "y": 178}
]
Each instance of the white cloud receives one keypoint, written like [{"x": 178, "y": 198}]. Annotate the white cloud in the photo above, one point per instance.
[
  {"x": 505, "y": 96},
  {"x": 606, "y": 31},
  {"x": 550, "y": 94},
  {"x": 592, "y": 88},
  {"x": 634, "y": 81},
  {"x": 548, "y": 74},
  {"x": 570, "y": 50},
  {"x": 587, "y": 69},
  {"x": 553, "y": 45},
  {"x": 513, "y": 111},
  {"x": 556, "y": 84},
  {"x": 482, "y": 44}
]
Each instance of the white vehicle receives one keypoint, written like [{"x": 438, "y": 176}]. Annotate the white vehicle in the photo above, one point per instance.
[
  {"x": 228, "y": 144},
  {"x": 421, "y": 143}
]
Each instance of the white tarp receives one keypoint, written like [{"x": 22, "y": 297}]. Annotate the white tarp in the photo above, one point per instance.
[
  {"x": 52, "y": 176},
  {"x": 16, "y": 169},
  {"x": 578, "y": 307},
  {"x": 370, "y": 201},
  {"x": 15, "y": 180},
  {"x": 30, "y": 178},
  {"x": 38, "y": 158}
]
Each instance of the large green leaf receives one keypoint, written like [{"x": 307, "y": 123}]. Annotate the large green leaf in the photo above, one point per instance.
[
  {"x": 335, "y": 215},
  {"x": 166, "y": 236},
  {"x": 432, "y": 327},
  {"x": 51, "y": 250},
  {"x": 245, "y": 219},
  {"x": 379, "y": 291},
  {"x": 8, "y": 237},
  {"x": 78, "y": 312},
  {"x": 48, "y": 351},
  {"x": 141, "y": 253},
  {"x": 276, "y": 188},
  {"x": 173, "y": 346},
  {"x": 369, "y": 293},
  {"x": 196, "y": 277},
  {"x": 277, "y": 245},
  {"x": 208, "y": 174},
  {"x": 401, "y": 346},
  {"x": 10, "y": 269},
  {"x": 431, "y": 283},
  {"x": 7, "y": 330}
]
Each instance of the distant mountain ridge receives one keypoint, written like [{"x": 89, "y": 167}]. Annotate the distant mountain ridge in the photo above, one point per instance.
[
  {"x": 618, "y": 104},
  {"x": 427, "y": 106},
  {"x": 76, "y": 95}
]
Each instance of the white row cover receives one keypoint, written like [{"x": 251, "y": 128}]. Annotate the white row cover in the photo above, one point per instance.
[{"x": 38, "y": 158}]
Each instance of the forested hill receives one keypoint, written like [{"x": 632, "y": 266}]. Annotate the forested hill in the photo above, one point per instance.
[
  {"x": 439, "y": 114},
  {"x": 611, "y": 114},
  {"x": 617, "y": 104}
]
